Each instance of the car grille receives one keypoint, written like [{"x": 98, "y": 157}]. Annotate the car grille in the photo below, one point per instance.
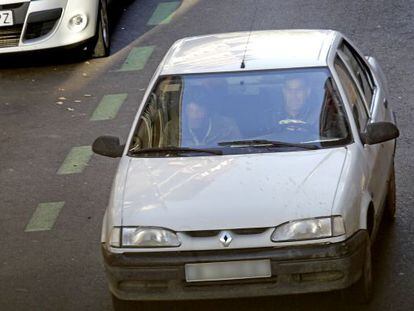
[
  {"x": 11, "y": 6},
  {"x": 212, "y": 233},
  {"x": 10, "y": 36}
]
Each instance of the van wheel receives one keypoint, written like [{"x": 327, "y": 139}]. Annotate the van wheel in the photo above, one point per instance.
[
  {"x": 391, "y": 199},
  {"x": 101, "y": 43},
  {"x": 361, "y": 291},
  {"x": 123, "y": 305}
]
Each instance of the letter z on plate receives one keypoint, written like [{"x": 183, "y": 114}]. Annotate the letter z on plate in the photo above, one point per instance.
[{"x": 6, "y": 18}]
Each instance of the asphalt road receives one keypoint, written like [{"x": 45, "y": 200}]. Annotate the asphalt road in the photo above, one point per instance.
[{"x": 46, "y": 104}]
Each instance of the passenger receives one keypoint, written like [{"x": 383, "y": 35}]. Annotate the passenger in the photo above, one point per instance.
[{"x": 201, "y": 127}]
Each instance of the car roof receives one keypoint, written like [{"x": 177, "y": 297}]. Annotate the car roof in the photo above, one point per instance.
[{"x": 269, "y": 49}]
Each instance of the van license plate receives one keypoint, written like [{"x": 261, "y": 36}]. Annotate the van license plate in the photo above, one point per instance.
[
  {"x": 231, "y": 270},
  {"x": 6, "y": 18}
]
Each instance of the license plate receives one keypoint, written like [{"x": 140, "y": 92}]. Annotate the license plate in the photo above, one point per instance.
[
  {"x": 231, "y": 270},
  {"x": 6, "y": 18}
]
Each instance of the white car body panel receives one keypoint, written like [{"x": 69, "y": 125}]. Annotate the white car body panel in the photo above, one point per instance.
[
  {"x": 373, "y": 161},
  {"x": 61, "y": 35},
  {"x": 230, "y": 192},
  {"x": 265, "y": 50},
  {"x": 12, "y": 1}
]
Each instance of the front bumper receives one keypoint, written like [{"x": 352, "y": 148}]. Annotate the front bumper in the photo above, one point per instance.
[
  {"x": 305, "y": 269},
  {"x": 44, "y": 24}
]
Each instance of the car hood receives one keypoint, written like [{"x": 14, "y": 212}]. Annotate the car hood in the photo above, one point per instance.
[{"x": 229, "y": 192}]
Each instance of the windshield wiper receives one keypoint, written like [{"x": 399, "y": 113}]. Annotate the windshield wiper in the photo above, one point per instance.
[
  {"x": 266, "y": 143},
  {"x": 175, "y": 150}
]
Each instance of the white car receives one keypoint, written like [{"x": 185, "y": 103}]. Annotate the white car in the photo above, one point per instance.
[
  {"x": 258, "y": 164},
  {"x": 27, "y": 25}
]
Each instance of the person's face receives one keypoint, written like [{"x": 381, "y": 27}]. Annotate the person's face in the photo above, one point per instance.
[
  {"x": 196, "y": 115},
  {"x": 296, "y": 93}
]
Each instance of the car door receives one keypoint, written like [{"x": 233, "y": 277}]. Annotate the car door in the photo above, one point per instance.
[
  {"x": 377, "y": 158},
  {"x": 372, "y": 90},
  {"x": 369, "y": 154}
]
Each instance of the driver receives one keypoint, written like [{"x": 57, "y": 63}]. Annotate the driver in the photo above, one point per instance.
[{"x": 296, "y": 109}]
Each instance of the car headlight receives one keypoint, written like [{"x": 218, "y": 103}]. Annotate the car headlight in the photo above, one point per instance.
[
  {"x": 143, "y": 237},
  {"x": 308, "y": 229}
]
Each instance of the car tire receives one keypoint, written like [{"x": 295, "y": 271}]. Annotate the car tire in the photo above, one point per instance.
[
  {"x": 101, "y": 43},
  {"x": 123, "y": 305},
  {"x": 361, "y": 292},
  {"x": 391, "y": 199}
]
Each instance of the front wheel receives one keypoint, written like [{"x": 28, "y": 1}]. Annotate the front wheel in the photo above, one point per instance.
[
  {"x": 101, "y": 43},
  {"x": 361, "y": 292}
]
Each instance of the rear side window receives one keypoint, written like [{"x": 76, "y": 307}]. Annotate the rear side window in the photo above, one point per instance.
[
  {"x": 359, "y": 70},
  {"x": 354, "y": 98}
]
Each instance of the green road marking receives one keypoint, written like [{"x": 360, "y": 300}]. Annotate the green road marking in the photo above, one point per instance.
[
  {"x": 163, "y": 13},
  {"x": 44, "y": 216},
  {"x": 137, "y": 58},
  {"x": 109, "y": 107},
  {"x": 76, "y": 160}
]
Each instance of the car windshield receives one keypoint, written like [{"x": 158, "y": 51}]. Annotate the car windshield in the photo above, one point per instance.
[{"x": 242, "y": 112}]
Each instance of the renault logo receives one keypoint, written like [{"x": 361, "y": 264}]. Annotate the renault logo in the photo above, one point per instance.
[{"x": 225, "y": 238}]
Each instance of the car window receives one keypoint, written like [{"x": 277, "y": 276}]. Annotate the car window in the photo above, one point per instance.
[
  {"x": 162, "y": 109},
  {"x": 354, "y": 98},
  {"x": 205, "y": 110},
  {"x": 359, "y": 70}
]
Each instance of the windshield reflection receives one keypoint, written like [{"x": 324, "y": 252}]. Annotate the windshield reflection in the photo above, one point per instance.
[{"x": 297, "y": 106}]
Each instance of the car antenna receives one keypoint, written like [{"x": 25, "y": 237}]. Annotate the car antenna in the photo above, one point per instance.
[{"x": 243, "y": 63}]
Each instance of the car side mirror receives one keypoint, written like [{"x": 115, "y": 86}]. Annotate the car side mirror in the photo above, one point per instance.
[
  {"x": 108, "y": 146},
  {"x": 380, "y": 132}
]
